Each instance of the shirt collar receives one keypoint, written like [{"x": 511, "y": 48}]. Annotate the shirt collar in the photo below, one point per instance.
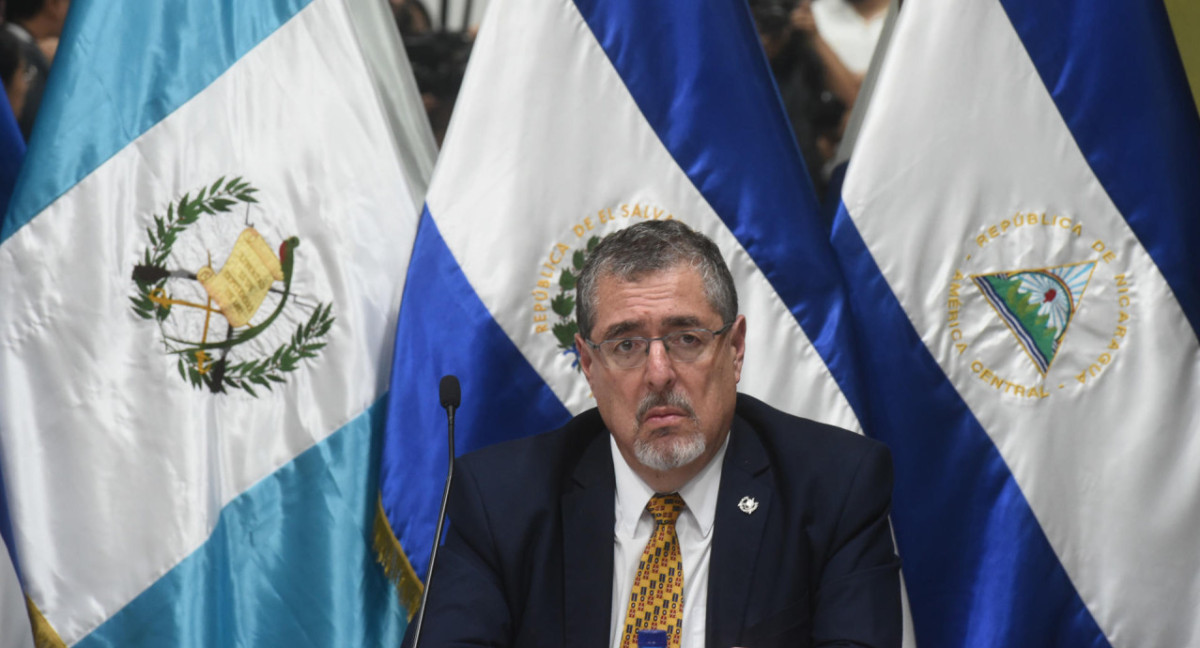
[{"x": 699, "y": 494}]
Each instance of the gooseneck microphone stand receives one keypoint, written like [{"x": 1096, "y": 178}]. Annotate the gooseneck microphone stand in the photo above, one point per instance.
[{"x": 451, "y": 395}]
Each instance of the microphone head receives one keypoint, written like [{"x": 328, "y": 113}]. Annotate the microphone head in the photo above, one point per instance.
[{"x": 449, "y": 391}]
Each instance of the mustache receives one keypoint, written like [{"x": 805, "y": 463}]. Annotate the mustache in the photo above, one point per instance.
[{"x": 665, "y": 399}]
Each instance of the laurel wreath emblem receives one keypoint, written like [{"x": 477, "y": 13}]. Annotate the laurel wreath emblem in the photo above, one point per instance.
[
  {"x": 563, "y": 304},
  {"x": 204, "y": 363}
]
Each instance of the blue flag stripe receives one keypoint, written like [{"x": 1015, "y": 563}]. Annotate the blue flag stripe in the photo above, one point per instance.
[
  {"x": 978, "y": 567},
  {"x": 108, "y": 90},
  {"x": 284, "y": 548},
  {"x": 12, "y": 152},
  {"x": 747, "y": 165},
  {"x": 1108, "y": 100},
  {"x": 445, "y": 328}
]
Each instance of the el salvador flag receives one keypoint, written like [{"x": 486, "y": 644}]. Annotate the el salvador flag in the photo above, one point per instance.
[
  {"x": 1018, "y": 230},
  {"x": 203, "y": 262},
  {"x": 577, "y": 118}
]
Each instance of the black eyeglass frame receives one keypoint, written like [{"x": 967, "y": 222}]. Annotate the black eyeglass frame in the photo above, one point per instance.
[{"x": 662, "y": 338}]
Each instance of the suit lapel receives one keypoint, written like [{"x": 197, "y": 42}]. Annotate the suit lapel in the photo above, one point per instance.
[
  {"x": 737, "y": 535},
  {"x": 587, "y": 513}
]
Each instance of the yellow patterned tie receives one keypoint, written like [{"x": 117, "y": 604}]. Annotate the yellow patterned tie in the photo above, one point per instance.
[{"x": 656, "y": 602}]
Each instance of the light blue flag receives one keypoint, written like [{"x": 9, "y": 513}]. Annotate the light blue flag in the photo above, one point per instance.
[
  {"x": 14, "y": 628},
  {"x": 203, "y": 263},
  {"x": 1018, "y": 229},
  {"x": 575, "y": 119}
]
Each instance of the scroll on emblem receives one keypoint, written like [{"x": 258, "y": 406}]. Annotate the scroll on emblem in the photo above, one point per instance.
[{"x": 243, "y": 282}]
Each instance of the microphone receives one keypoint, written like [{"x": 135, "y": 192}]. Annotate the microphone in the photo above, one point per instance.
[{"x": 450, "y": 395}]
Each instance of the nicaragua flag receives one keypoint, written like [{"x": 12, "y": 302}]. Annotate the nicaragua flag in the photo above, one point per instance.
[
  {"x": 577, "y": 118},
  {"x": 1019, "y": 235},
  {"x": 203, "y": 262}
]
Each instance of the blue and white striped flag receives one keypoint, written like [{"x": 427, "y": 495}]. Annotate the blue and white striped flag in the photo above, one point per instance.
[
  {"x": 577, "y": 118},
  {"x": 14, "y": 622},
  {"x": 203, "y": 262},
  {"x": 1019, "y": 232}
]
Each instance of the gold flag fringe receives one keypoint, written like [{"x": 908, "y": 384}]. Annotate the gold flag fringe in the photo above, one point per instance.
[
  {"x": 44, "y": 635},
  {"x": 1185, "y": 23},
  {"x": 395, "y": 563}
]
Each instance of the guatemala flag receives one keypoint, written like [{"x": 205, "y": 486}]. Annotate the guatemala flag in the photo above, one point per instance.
[
  {"x": 14, "y": 619},
  {"x": 203, "y": 263},
  {"x": 1019, "y": 231},
  {"x": 14, "y": 623},
  {"x": 577, "y": 118}
]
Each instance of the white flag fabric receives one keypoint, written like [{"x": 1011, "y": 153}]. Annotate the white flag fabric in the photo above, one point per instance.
[
  {"x": 15, "y": 631},
  {"x": 577, "y": 118},
  {"x": 1018, "y": 231},
  {"x": 205, "y": 256}
]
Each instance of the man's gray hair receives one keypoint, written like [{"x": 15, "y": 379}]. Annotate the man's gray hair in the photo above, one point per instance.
[{"x": 647, "y": 248}]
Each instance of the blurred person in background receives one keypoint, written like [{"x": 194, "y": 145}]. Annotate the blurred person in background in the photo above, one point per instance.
[
  {"x": 438, "y": 58},
  {"x": 12, "y": 70},
  {"x": 49, "y": 47},
  {"x": 841, "y": 78},
  {"x": 850, "y": 28},
  {"x": 806, "y": 71},
  {"x": 32, "y": 22},
  {"x": 829, "y": 124},
  {"x": 411, "y": 17}
]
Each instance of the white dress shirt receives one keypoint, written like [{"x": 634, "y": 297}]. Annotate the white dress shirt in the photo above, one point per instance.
[{"x": 633, "y": 527}]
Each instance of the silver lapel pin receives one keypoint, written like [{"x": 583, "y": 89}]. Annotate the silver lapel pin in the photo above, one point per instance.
[{"x": 748, "y": 505}]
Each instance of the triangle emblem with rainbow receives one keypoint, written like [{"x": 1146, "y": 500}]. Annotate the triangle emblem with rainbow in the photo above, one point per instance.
[{"x": 1037, "y": 305}]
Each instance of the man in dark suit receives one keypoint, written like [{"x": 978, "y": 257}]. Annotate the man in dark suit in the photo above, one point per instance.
[{"x": 676, "y": 503}]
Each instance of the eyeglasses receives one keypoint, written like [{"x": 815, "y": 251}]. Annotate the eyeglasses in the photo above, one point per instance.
[{"x": 682, "y": 346}]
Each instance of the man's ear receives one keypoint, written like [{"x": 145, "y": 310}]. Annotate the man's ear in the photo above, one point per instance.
[
  {"x": 737, "y": 341},
  {"x": 585, "y": 357}
]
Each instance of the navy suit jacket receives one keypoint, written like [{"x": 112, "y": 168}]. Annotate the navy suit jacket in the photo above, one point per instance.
[{"x": 528, "y": 555}]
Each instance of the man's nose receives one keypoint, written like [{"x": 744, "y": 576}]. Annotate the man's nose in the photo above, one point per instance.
[{"x": 660, "y": 370}]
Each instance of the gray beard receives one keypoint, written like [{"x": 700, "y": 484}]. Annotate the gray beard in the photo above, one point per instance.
[
  {"x": 663, "y": 457},
  {"x": 681, "y": 451}
]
